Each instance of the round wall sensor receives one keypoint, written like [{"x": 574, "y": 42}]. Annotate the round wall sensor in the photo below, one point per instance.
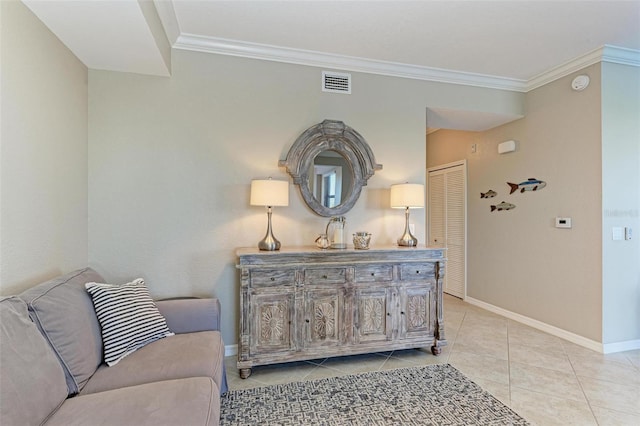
[{"x": 580, "y": 82}]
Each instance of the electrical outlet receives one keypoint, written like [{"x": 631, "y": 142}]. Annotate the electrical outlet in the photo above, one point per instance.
[
  {"x": 474, "y": 148},
  {"x": 627, "y": 233}
]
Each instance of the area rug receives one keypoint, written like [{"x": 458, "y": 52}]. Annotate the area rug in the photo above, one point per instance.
[{"x": 430, "y": 395}]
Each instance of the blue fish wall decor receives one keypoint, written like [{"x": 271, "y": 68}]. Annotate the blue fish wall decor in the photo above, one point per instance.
[
  {"x": 530, "y": 184},
  {"x": 489, "y": 194},
  {"x": 503, "y": 206}
]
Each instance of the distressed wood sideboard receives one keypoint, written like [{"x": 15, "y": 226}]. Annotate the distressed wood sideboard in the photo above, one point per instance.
[{"x": 305, "y": 303}]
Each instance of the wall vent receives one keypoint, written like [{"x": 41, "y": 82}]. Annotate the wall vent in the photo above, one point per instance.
[{"x": 336, "y": 82}]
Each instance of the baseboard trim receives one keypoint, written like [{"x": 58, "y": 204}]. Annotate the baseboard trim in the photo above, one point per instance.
[
  {"x": 539, "y": 325},
  {"x": 230, "y": 350},
  {"x": 629, "y": 345}
]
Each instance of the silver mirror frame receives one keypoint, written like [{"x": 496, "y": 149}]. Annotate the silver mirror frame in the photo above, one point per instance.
[{"x": 336, "y": 136}]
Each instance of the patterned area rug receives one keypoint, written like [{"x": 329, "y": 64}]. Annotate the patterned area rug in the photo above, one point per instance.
[{"x": 431, "y": 395}]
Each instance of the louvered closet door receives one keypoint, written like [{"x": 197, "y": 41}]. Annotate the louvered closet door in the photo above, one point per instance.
[{"x": 447, "y": 222}]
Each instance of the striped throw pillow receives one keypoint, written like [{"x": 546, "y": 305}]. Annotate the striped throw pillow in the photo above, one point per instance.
[{"x": 128, "y": 317}]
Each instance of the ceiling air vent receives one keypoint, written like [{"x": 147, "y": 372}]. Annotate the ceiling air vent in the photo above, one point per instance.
[{"x": 336, "y": 82}]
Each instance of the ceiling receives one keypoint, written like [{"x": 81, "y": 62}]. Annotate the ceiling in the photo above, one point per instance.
[
  {"x": 512, "y": 45},
  {"x": 517, "y": 39}
]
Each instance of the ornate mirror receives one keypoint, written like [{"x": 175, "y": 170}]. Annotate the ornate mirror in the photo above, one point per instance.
[{"x": 330, "y": 162}]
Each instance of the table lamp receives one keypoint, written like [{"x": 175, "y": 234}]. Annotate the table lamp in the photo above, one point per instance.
[
  {"x": 407, "y": 196},
  {"x": 269, "y": 193}
]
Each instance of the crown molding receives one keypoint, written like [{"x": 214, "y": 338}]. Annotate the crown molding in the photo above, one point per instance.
[
  {"x": 620, "y": 55},
  {"x": 612, "y": 54},
  {"x": 222, "y": 46}
]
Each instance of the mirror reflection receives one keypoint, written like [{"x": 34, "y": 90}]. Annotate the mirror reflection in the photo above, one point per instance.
[{"x": 331, "y": 178}]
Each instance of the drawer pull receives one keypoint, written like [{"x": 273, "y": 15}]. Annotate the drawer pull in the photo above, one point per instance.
[
  {"x": 307, "y": 320},
  {"x": 418, "y": 272},
  {"x": 273, "y": 279},
  {"x": 373, "y": 274},
  {"x": 402, "y": 313},
  {"x": 388, "y": 314},
  {"x": 325, "y": 277}
]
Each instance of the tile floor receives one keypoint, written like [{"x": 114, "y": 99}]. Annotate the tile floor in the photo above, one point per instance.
[{"x": 545, "y": 379}]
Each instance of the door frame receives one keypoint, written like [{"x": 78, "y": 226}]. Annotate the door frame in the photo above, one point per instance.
[{"x": 462, "y": 163}]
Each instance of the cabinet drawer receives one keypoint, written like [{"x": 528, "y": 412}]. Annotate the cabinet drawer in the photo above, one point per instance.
[
  {"x": 417, "y": 271},
  {"x": 273, "y": 277},
  {"x": 325, "y": 276},
  {"x": 374, "y": 273}
]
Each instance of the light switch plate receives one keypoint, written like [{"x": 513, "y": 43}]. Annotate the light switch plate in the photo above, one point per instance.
[{"x": 617, "y": 233}]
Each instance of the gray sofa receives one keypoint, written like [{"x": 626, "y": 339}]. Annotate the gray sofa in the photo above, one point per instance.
[{"x": 52, "y": 369}]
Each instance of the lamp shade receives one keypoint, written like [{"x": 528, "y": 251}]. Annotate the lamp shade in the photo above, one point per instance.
[
  {"x": 268, "y": 192},
  {"x": 409, "y": 195}
]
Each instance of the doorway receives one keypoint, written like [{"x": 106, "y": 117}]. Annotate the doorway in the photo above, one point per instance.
[{"x": 447, "y": 221}]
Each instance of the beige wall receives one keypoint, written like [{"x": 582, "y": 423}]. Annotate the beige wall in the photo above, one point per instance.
[
  {"x": 171, "y": 161},
  {"x": 621, "y": 202},
  {"x": 43, "y": 153},
  {"x": 518, "y": 260}
]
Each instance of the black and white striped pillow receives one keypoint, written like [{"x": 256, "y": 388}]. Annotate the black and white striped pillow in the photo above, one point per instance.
[{"x": 128, "y": 317}]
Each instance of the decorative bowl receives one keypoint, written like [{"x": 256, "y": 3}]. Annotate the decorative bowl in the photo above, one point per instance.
[{"x": 361, "y": 240}]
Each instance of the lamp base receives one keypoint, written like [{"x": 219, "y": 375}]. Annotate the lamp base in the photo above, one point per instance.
[
  {"x": 269, "y": 242},
  {"x": 407, "y": 239}
]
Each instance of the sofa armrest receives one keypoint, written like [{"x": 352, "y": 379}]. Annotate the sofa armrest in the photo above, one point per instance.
[{"x": 190, "y": 315}]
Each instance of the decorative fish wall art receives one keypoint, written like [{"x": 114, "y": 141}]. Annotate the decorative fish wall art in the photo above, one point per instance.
[
  {"x": 530, "y": 184},
  {"x": 503, "y": 206},
  {"x": 489, "y": 194}
]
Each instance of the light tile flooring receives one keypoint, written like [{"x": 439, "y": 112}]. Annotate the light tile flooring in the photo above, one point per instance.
[{"x": 547, "y": 380}]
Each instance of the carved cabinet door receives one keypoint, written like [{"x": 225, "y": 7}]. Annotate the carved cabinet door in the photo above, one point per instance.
[
  {"x": 373, "y": 317},
  {"x": 417, "y": 310},
  {"x": 323, "y": 317},
  {"x": 271, "y": 317}
]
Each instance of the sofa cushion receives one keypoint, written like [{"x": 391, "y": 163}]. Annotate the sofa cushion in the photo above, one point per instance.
[
  {"x": 33, "y": 382},
  {"x": 194, "y": 401},
  {"x": 63, "y": 311},
  {"x": 188, "y": 314},
  {"x": 179, "y": 356},
  {"x": 128, "y": 318}
]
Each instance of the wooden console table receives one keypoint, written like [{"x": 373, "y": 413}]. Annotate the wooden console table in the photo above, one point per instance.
[{"x": 304, "y": 303}]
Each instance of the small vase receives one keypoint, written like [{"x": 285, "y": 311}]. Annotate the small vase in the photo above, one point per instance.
[
  {"x": 361, "y": 240},
  {"x": 323, "y": 242}
]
